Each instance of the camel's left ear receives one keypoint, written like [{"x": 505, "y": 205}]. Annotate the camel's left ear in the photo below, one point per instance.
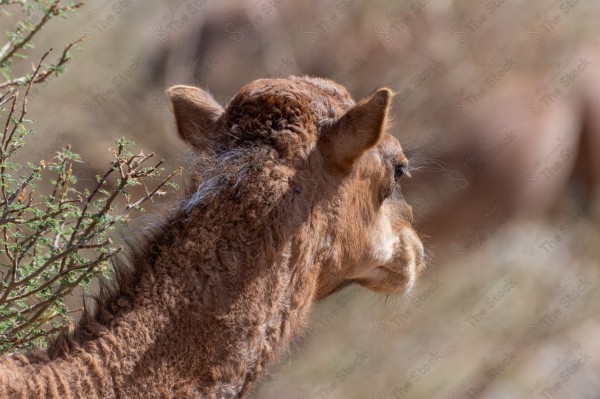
[
  {"x": 357, "y": 131},
  {"x": 196, "y": 114}
]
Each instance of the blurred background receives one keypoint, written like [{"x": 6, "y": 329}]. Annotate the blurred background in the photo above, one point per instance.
[{"x": 498, "y": 105}]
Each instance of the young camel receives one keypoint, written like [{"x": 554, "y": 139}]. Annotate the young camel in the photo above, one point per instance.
[{"x": 295, "y": 195}]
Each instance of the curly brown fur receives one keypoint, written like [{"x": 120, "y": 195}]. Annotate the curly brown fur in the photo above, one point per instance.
[{"x": 293, "y": 197}]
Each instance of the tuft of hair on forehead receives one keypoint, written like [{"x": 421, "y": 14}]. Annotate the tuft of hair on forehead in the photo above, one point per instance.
[{"x": 273, "y": 112}]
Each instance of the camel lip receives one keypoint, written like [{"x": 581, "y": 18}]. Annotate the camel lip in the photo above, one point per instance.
[{"x": 404, "y": 276}]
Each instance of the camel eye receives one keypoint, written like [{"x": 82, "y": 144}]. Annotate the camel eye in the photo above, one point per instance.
[{"x": 399, "y": 171}]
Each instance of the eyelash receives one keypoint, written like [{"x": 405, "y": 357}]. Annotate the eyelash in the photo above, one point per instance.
[{"x": 399, "y": 171}]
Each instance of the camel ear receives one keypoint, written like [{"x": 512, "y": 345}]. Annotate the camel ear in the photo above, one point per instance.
[
  {"x": 196, "y": 114},
  {"x": 357, "y": 131}
]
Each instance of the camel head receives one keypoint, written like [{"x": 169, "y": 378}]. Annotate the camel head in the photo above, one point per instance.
[{"x": 338, "y": 165}]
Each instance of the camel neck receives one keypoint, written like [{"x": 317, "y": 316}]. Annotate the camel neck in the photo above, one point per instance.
[
  {"x": 212, "y": 300},
  {"x": 242, "y": 289}
]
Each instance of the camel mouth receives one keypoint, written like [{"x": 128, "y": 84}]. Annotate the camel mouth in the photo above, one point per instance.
[
  {"x": 401, "y": 276},
  {"x": 392, "y": 281}
]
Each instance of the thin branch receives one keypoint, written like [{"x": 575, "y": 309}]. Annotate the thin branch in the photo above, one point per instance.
[
  {"x": 13, "y": 48},
  {"x": 44, "y": 74},
  {"x": 52, "y": 11},
  {"x": 23, "y": 107},
  {"x": 8, "y": 2},
  {"x": 100, "y": 259},
  {"x": 153, "y": 192}
]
